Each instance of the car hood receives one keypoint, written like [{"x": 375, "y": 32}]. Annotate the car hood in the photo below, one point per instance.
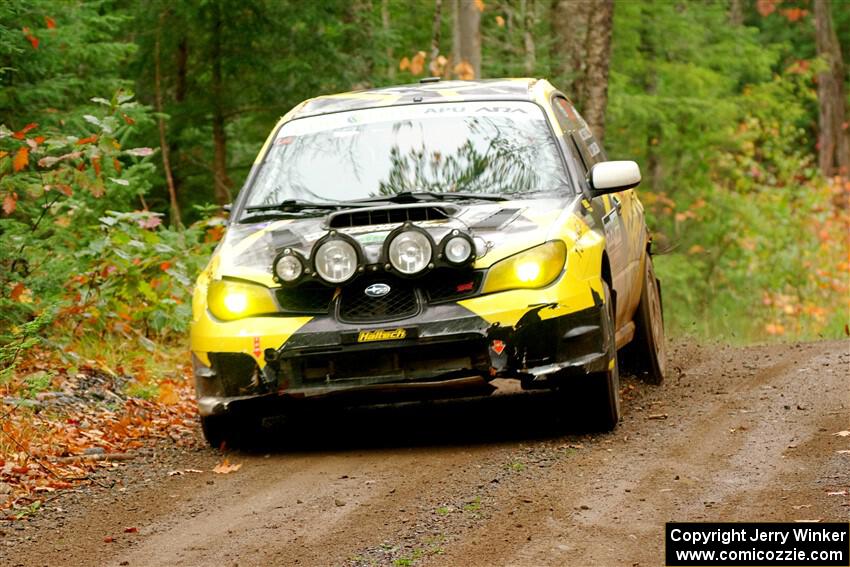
[{"x": 499, "y": 229}]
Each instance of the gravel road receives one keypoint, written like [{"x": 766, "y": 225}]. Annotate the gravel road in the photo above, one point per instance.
[{"x": 735, "y": 434}]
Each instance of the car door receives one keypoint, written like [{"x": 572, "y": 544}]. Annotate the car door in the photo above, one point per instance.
[{"x": 616, "y": 210}]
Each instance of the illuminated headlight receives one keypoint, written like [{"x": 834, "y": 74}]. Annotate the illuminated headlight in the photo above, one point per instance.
[
  {"x": 336, "y": 260},
  {"x": 533, "y": 268},
  {"x": 288, "y": 267},
  {"x": 410, "y": 252},
  {"x": 229, "y": 300},
  {"x": 457, "y": 248}
]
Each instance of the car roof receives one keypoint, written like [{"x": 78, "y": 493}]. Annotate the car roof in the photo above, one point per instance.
[{"x": 436, "y": 91}]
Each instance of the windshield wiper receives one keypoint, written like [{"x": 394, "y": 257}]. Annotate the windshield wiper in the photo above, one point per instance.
[
  {"x": 429, "y": 196},
  {"x": 295, "y": 205}
]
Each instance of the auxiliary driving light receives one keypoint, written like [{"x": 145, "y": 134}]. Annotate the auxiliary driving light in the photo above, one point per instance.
[
  {"x": 457, "y": 248},
  {"x": 288, "y": 268},
  {"x": 410, "y": 251},
  {"x": 336, "y": 260}
]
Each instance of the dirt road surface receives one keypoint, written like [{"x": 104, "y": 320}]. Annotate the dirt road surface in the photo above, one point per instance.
[{"x": 735, "y": 434}]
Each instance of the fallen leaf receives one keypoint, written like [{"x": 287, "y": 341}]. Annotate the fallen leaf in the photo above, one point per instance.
[
  {"x": 131, "y": 530},
  {"x": 108, "y": 539},
  {"x": 844, "y": 452},
  {"x": 837, "y": 493},
  {"x": 225, "y": 467},
  {"x": 167, "y": 394},
  {"x": 844, "y": 433},
  {"x": 801, "y": 506},
  {"x": 658, "y": 416}
]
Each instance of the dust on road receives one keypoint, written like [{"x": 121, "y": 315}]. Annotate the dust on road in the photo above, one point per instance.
[{"x": 736, "y": 434}]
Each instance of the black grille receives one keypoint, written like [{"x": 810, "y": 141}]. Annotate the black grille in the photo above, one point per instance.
[
  {"x": 387, "y": 216},
  {"x": 355, "y": 306},
  {"x": 450, "y": 285},
  {"x": 306, "y": 298}
]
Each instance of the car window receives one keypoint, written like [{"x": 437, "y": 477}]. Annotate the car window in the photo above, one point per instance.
[{"x": 498, "y": 147}]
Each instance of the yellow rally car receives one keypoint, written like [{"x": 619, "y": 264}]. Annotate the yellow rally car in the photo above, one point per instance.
[{"x": 410, "y": 238}]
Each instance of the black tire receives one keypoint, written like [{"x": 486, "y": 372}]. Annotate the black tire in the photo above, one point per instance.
[
  {"x": 599, "y": 393},
  {"x": 222, "y": 431},
  {"x": 648, "y": 353}
]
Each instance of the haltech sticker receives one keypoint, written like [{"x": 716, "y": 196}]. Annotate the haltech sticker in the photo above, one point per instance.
[{"x": 381, "y": 335}]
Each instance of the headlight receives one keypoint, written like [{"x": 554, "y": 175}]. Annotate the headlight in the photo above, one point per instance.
[
  {"x": 335, "y": 260},
  {"x": 410, "y": 251},
  {"x": 536, "y": 267},
  {"x": 229, "y": 300},
  {"x": 457, "y": 248},
  {"x": 288, "y": 267}
]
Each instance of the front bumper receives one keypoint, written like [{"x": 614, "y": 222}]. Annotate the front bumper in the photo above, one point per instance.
[{"x": 483, "y": 338}]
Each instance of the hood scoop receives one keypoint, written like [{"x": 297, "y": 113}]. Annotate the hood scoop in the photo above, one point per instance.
[
  {"x": 497, "y": 220},
  {"x": 391, "y": 214}
]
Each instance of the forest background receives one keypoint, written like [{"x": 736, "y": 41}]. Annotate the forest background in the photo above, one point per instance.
[{"x": 124, "y": 126}]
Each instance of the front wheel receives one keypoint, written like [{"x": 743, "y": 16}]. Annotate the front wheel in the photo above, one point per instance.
[
  {"x": 598, "y": 395},
  {"x": 223, "y": 431}
]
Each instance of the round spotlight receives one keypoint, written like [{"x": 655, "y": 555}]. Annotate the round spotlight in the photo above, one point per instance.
[
  {"x": 336, "y": 260},
  {"x": 457, "y": 249},
  {"x": 410, "y": 252},
  {"x": 288, "y": 268}
]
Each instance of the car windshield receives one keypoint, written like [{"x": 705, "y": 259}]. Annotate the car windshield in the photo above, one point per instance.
[{"x": 500, "y": 147}]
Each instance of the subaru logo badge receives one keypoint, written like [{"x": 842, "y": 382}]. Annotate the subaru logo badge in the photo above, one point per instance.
[{"x": 377, "y": 290}]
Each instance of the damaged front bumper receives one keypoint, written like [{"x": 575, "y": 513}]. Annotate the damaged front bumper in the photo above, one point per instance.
[{"x": 445, "y": 347}]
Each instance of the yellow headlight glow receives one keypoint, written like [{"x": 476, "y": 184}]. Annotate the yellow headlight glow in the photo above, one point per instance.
[
  {"x": 533, "y": 268},
  {"x": 229, "y": 300},
  {"x": 236, "y": 301}
]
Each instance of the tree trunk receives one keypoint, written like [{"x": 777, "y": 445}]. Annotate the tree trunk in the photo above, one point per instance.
[
  {"x": 221, "y": 181},
  {"x": 736, "y": 13},
  {"x": 570, "y": 20},
  {"x": 385, "y": 25},
  {"x": 455, "y": 31},
  {"x": 834, "y": 136},
  {"x": 436, "y": 27},
  {"x": 598, "y": 57},
  {"x": 528, "y": 36},
  {"x": 469, "y": 32},
  {"x": 163, "y": 142},
  {"x": 650, "y": 85}
]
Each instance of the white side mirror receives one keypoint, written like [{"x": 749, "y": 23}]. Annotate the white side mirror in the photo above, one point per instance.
[{"x": 613, "y": 176}]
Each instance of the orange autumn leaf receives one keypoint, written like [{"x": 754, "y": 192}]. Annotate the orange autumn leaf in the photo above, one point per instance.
[
  {"x": 464, "y": 71},
  {"x": 404, "y": 64},
  {"x": 168, "y": 394},
  {"x": 23, "y": 131},
  {"x": 224, "y": 467},
  {"x": 96, "y": 164},
  {"x": 21, "y": 159},
  {"x": 164, "y": 266},
  {"x": 31, "y": 38},
  {"x": 17, "y": 291},
  {"x": 417, "y": 64},
  {"x": 50, "y": 22},
  {"x": 90, "y": 140}
]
